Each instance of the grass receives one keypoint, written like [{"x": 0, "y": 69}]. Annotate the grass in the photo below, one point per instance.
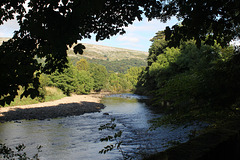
[{"x": 52, "y": 93}]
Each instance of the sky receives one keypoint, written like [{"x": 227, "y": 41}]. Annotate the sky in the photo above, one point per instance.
[{"x": 137, "y": 36}]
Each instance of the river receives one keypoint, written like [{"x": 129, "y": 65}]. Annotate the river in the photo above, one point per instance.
[{"x": 78, "y": 137}]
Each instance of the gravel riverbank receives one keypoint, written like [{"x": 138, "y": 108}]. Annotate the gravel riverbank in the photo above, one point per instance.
[{"x": 67, "y": 106}]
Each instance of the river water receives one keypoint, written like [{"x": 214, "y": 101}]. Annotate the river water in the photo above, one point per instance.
[{"x": 78, "y": 137}]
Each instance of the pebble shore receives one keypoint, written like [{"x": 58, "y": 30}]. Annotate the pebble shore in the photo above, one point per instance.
[{"x": 67, "y": 106}]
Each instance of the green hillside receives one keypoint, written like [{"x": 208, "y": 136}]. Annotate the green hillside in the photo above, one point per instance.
[{"x": 114, "y": 59}]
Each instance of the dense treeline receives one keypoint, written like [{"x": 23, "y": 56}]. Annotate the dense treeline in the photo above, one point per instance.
[
  {"x": 192, "y": 83},
  {"x": 119, "y": 66},
  {"x": 82, "y": 78},
  {"x": 85, "y": 77}
]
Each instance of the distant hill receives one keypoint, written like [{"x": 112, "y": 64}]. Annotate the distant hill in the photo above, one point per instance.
[
  {"x": 113, "y": 58},
  {"x": 104, "y": 52},
  {"x": 3, "y": 39},
  {"x": 109, "y": 53}
]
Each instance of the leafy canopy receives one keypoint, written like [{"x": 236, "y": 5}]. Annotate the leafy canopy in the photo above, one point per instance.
[
  {"x": 49, "y": 27},
  {"x": 205, "y": 20},
  {"x": 188, "y": 83}
]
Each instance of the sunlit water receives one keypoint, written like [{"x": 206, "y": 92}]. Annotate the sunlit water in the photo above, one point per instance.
[{"x": 78, "y": 137}]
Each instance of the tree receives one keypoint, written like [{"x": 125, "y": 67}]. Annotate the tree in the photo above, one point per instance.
[
  {"x": 82, "y": 64},
  {"x": 99, "y": 74},
  {"x": 118, "y": 82},
  {"x": 72, "y": 80},
  {"x": 133, "y": 74},
  {"x": 158, "y": 45},
  {"x": 65, "y": 80},
  {"x": 84, "y": 82},
  {"x": 46, "y": 31},
  {"x": 190, "y": 83},
  {"x": 48, "y": 28},
  {"x": 203, "y": 20}
]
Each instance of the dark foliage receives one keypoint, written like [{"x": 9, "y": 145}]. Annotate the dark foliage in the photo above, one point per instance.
[
  {"x": 50, "y": 27},
  {"x": 188, "y": 83},
  {"x": 203, "y": 20},
  {"x": 17, "y": 153}
]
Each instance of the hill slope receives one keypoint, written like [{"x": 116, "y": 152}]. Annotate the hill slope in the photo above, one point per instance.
[
  {"x": 109, "y": 53},
  {"x": 3, "y": 39},
  {"x": 94, "y": 51},
  {"x": 113, "y": 58}
]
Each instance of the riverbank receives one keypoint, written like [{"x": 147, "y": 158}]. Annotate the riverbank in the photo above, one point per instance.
[
  {"x": 67, "y": 106},
  {"x": 221, "y": 143}
]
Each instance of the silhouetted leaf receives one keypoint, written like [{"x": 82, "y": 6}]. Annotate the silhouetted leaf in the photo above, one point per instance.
[{"x": 78, "y": 48}]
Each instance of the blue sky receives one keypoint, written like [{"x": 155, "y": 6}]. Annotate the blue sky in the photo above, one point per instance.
[{"x": 137, "y": 35}]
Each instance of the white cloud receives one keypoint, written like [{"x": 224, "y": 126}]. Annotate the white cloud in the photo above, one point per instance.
[
  {"x": 134, "y": 46},
  {"x": 128, "y": 38},
  {"x": 149, "y": 26},
  {"x": 140, "y": 32}
]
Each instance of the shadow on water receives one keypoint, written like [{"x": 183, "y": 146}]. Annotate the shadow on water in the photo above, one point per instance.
[{"x": 61, "y": 110}]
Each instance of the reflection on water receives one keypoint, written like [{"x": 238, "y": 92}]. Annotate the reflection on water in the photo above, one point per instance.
[{"x": 77, "y": 137}]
